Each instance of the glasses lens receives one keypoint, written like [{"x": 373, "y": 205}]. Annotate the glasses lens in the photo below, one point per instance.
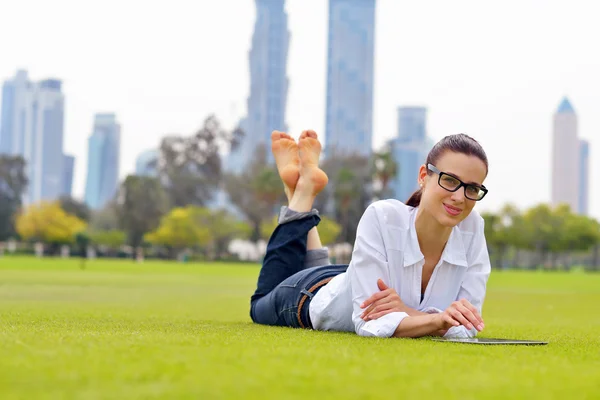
[
  {"x": 473, "y": 192},
  {"x": 448, "y": 182}
]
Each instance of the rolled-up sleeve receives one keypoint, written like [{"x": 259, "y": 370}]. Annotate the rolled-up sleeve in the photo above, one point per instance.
[
  {"x": 473, "y": 287},
  {"x": 367, "y": 266}
]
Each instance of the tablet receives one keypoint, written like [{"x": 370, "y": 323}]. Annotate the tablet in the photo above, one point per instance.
[{"x": 490, "y": 341}]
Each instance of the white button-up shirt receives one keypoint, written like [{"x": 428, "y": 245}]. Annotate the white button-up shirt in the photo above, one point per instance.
[{"x": 387, "y": 247}]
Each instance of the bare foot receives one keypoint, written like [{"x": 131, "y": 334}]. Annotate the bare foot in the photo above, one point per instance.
[
  {"x": 285, "y": 151},
  {"x": 311, "y": 176}
]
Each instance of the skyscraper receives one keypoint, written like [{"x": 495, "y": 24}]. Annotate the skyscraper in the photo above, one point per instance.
[
  {"x": 68, "y": 170},
  {"x": 32, "y": 126},
  {"x": 143, "y": 162},
  {"x": 409, "y": 149},
  {"x": 350, "y": 53},
  {"x": 268, "y": 82},
  {"x": 103, "y": 161},
  {"x": 584, "y": 155},
  {"x": 565, "y": 157}
]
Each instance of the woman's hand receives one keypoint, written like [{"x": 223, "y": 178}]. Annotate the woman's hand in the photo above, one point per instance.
[
  {"x": 381, "y": 303},
  {"x": 461, "y": 312}
]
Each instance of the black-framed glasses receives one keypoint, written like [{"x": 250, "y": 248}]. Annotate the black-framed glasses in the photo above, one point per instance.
[{"x": 452, "y": 184}]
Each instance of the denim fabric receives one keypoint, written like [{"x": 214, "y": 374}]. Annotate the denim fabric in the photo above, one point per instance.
[
  {"x": 314, "y": 257},
  {"x": 283, "y": 281}
]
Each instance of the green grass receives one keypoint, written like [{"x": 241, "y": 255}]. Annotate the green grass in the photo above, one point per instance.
[{"x": 121, "y": 330}]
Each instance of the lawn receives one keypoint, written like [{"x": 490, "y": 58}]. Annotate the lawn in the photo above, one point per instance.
[{"x": 122, "y": 330}]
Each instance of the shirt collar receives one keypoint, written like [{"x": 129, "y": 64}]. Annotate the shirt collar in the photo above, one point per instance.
[{"x": 454, "y": 252}]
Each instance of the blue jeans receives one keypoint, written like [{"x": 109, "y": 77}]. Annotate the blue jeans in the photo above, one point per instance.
[{"x": 283, "y": 284}]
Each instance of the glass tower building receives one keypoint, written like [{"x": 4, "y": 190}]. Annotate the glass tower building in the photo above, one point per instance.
[
  {"x": 103, "y": 161},
  {"x": 350, "y": 53},
  {"x": 267, "y": 101}
]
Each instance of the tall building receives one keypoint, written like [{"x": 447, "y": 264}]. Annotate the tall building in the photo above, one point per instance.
[
  {"x": 410, "y": 150},
  {"x": 68, "y": 170},
  {"x": 103, "y": 161},
  {"x": 565, "y": 157},
  {"x": 32, "y": 126},
  {"x": 350, "y": 53},
  {"x": 143, "y": 163},
  {"x": 268, "y": 82},
  {"x": 584, "y": 176}
]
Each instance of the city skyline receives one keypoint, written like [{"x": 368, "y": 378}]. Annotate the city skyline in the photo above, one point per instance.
[
  {"x": 350, "y": 57},
  {"x": 32, "y": 120},
  {"x": 409, "y": 148},
  {"x": 565, "y": 157},
  {"x": 104, "y": 147},
  {"x": 144, "y": 163},
  {"x": 421, "y": 58},
  {"x": 584, "y": 176},
  {"x": 68, "y": 171},
  {"x": 269, "y": 83}
]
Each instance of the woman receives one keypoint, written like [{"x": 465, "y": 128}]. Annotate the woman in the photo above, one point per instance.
[{"x": 417, "y": 269}]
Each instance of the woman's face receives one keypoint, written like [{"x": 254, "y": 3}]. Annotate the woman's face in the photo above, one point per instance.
[{"x": 450, "y": 208}]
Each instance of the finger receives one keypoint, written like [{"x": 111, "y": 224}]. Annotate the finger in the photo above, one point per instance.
[
  {"x": 449, "y": 319},
  {"x": 387, "y": 308},
  {"x": 367, "y": 311},
  {"x": 457, "y": 315},
  {"x": 374, "y": 298},
  {"x": 473, "y": 309},
  {"x": 469, "y": 316},
  {"x": 381, "y": 285},
  {"x": 385, "y": 300}
]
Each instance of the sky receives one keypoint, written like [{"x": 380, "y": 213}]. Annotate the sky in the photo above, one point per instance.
[{"x": 496, "y": 71}]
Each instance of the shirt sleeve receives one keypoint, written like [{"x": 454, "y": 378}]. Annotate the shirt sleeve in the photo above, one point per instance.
[
  {"x": 368, "y": 264},
  {"x": 473, "y": 287}
]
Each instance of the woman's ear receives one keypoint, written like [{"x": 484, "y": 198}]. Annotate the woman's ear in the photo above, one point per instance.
[{"x": 422, "y": 175}]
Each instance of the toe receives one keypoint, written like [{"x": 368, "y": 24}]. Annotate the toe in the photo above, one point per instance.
[{"x": 276, "y": 135}]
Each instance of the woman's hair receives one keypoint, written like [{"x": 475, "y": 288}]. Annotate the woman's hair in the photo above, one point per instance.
[{"x": 460, "y": 143}]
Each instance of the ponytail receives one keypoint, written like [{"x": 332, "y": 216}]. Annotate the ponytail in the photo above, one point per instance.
[{"x": 415, "y": 199}]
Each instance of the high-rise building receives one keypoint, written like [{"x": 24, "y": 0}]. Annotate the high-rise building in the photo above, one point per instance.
[
  {"x": 32, "y": 127},
  {"x": 409, "y": 150},
  {"x": 68, "y": 170},
  {"x": 584, "y": 176},
  {"x": 268, "y": 82},
  {"x": 350, "y": 54},
  {"x": 565, "y": 157},
  {"x": 144, "y": 163},
  {"x": 103, "y": 161}
]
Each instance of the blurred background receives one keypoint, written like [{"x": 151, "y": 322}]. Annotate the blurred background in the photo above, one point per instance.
[{"x": 141, "y": 129}]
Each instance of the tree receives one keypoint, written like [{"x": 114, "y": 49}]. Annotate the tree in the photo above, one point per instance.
[
  {"x": 348, "y": 193},
  {"x": 540, "y": 231},
  {"x": 113, "y": 238},
  {"x": 105, "y": 219},
  {"x": 329, "y": 230},
  {"x": 13, "y": 183},
  {"x": 345, "y": 189},
  {"x": 190, "y": 167},
  {"x": 82, "y": 241},
  {"x": 580, "y": 233},
  {"x": 75, "y": 207},
  {"x": 49, "y": 223},
  {"x": 224, "y": 227},
  {"x": 181, "y": 228},
  {"x": 141, "y": 202},
  {"x": 384, "y": 169},
  {"x": 502, "y": 232},
  {"x": 256, "y": 191}
]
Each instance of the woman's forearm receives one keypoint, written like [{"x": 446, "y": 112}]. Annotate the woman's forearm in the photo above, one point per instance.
[{"x": 419, "y": 325}]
